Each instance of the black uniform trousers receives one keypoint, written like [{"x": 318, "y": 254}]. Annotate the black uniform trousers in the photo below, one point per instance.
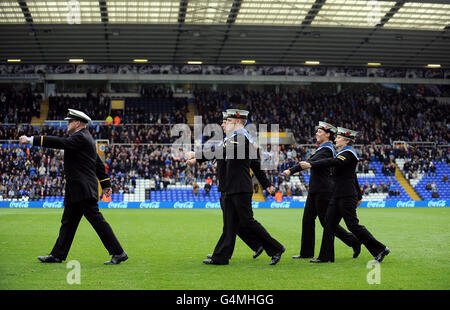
[
  {"x": 69, "y": 224},
  {"x": 243, "y": 232},
  {"x": 238, "y": 213},
  {"x": 345, "y": 207},
  {"x": 316, "y": 206}
]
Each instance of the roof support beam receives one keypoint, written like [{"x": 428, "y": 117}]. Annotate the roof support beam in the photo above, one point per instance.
[
  {"x": 234, "y": 11},
  {"x": 103, "y": 11},
  {"x": 26, "y": 11},
  {"x": 313, "y": 12},
  {"x": 27, "y": 14},
  {"x": 383, "y": 21},
  {"x": 181, "y": 19},
  {"x": 105, "y": 21},
  {"x": 391, "y": 13}
]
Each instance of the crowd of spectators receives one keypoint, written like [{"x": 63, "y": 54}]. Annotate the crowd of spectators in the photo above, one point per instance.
[
  {"x": 381, "y": 118},
  {"x": 38, "y": 172},
  {"x": 31, "y": 172},
  {"x": 134, "y": 153},
  {"x": 19, "y": 106},
  {"x": 385, "y": 188},
  {"x": 96, "y": 105}
]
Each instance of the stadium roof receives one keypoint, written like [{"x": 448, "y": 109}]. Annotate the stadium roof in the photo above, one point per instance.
[{"x": 284, "y": 32}]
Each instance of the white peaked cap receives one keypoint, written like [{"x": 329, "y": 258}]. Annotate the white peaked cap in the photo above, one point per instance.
[{"x": 77, "y": 115}]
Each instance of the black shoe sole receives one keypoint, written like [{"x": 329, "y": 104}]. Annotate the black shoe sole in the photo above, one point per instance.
[
  {"x": 385, "y": 253},
  {"x": 49, "y": 262},
  {"x": 277, "y": 257},
  {"x": 206, "y": 262},
  {"x": 120, "y": 260}
]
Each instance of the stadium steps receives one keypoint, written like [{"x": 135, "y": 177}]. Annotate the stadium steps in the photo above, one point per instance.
[
  {"x": 139, "y": 193},
  {"x": 43, "y": 115},
  {"x": 259, "y": 195},
  {"x": 192, "y": 108},
  {"x": 405, "y": 184}
]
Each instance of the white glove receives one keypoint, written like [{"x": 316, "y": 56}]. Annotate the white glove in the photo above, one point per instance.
[{"x": 26, "y": 140}]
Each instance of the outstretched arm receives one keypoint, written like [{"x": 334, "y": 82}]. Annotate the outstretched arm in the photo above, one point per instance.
[{"x": 67, "y": 143}]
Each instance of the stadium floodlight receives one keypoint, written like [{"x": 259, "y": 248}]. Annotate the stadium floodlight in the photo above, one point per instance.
[
  {"x": 76, "y": 60},
  {"x": 248, "y": 62},
  {"x": 14, "y": 60},
  {"x": 374, "y": 64},
  {"x": 140, "y": 60},
  {"x": 433, "y": 66},
  {"x": 194, "y": 62},
  {"x": 312, "y": 62}
]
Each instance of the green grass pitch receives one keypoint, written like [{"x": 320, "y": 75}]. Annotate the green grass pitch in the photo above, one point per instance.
[{"x": 166, "y": 249}]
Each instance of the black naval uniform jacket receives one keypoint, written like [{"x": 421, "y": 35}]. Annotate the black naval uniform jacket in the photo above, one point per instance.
[
  {"x": 320, "y": 180},
  {"x": 255, "y": 165},
  {"x": 241, "y": 156},
  {"x": 82, "y": 165},
  {"x": 346, "y": 181},
  {"x": 222, "y": 168}
]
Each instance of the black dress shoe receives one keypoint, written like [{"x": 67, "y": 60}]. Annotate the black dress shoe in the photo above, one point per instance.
[
  {"x": 258, "y": 252},
  {"x": 316, "y": 261},
  {"x": 276, "y": 258},
  {"x": 213, "y": 262},
  {"x": 383, "y": 253},
  {"x": 301, "y": 256},
  {"x": 49, "y": 259},
  {"x": 356, "y": 250},
  {"x": 116, "y": 259}
]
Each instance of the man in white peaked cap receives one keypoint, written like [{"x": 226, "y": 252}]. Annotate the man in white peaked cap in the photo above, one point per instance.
[{"x": 83, "y": 169}]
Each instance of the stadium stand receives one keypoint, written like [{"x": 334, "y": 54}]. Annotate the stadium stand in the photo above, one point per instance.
[{"x": 141, "y": 166}]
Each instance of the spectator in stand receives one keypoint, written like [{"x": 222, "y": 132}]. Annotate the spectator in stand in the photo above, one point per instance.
[
  {"x": 445, "y": 178},
  {"x": 373, "y": 188},
  {"x": 109, "y": 120},
  {"x": 117, "y": 120},
  {"x": 432, "y": 169},
  {"x": 426, "y": 169},
  {"x": 435, "y": 194},
  {"x": 433, "y": 186},
  {"x": 195, "y": 188},
  {"x": 384, "y": 188},
  {"x": 278, "y": 196},
  {"x": 208, "y": 185},
  {"x": 366, "y": 166}
]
